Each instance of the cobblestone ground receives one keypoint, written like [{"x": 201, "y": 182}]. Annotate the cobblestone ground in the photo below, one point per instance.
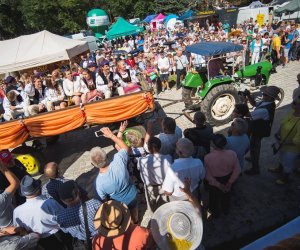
[{"x": 257, "y": 203}]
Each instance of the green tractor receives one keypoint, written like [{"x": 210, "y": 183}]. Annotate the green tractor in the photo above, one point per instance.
[{"x": 218, "y": 95}]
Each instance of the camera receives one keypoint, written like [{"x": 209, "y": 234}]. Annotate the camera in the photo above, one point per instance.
[
  {"x": 116, "y": 83},
  {"x": 244, "y": 93}
]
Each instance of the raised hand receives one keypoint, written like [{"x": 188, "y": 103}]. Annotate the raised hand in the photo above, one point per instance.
[{"x": 107, "y": 132}]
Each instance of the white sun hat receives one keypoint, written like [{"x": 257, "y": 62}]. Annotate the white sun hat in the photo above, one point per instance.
[{"x": 177, "y": 225}]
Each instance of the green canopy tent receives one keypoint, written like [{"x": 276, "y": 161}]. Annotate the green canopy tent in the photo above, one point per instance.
[
  {"x": 291, "y": 7},
  {"x": 122, "y": 28}
]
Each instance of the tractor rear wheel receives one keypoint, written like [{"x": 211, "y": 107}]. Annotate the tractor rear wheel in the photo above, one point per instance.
[{"x": 219, "y": 104}]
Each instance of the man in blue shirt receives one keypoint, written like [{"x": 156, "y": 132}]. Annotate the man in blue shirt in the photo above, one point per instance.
[
  {"x": 140, "y": 43},
  {"x": 113, "y": 181},
  {"x": 295, "y": 43},
  {"x": 239, "y": 141}
]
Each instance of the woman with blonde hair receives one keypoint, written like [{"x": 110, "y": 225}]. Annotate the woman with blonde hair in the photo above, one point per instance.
[
  {"x": 126, "y": 78},
  {"x": 256, "y": 48}
]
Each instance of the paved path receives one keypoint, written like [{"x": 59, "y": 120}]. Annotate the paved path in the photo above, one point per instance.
[{"x": 257, "y": 204}]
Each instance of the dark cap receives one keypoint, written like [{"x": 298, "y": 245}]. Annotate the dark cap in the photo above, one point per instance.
[
  {"x": 92, "y": 64},
  {"x": 39, "y": 74},
  {"x": 104, "y": 62},
  {"x": 9, "y": 79},
  {"x": 68, "y": 190}
]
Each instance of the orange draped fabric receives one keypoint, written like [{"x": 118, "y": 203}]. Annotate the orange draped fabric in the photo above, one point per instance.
[
  {"x": 55, "y": 123},
  {"x": 117, "y": 109},
  {"x": 12, "y": 134}
]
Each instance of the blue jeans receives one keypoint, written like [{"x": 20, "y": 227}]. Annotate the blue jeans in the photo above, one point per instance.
[{"x": 288, "y": 161}]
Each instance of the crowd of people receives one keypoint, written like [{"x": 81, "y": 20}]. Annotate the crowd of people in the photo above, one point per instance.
[
  {"x": 169, "y": 169},
  {"x": 146, "y": 62},
  {"x": 172, "y": 167}
]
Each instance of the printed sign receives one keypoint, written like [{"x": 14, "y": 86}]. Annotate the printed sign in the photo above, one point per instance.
[{"x": 260, "y": 19}]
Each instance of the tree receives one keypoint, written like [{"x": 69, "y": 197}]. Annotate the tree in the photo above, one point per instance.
[
  {"x": 11, "y": 21},
  {"x": 171, "y": 6},
  {"x": 60, "y": 16}
]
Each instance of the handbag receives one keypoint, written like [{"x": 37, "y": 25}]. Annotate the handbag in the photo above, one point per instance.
[
  {"x": 277, "y": 146},
  {"x": 86, "y": 228},
  {"x": 153, "y": 76}
]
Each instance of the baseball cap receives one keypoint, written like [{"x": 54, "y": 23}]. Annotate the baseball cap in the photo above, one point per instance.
[
  {"x": 39, "y": 74},
  {"x": 92, "y": 64},
  {"x": 5, "y": 156},
  {"x": 9, "y": 79},
  {"x": 104, "y": 62}
]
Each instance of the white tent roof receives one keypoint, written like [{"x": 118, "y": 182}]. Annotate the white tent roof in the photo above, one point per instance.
[
  {"x": 256, "y": 4},
  {"x": 37, "y": 49}
]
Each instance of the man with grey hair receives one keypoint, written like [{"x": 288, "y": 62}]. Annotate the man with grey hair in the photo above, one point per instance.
[
  {"x": 181, "y": 62},
  {"x": 239, "y": 141},
  {"x": 113, "y": 181},
  {"x": 183, "y": 167}
]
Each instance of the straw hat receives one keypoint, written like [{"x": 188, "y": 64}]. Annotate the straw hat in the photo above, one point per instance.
[
  {"x": 112, "y": 219},
  {"x": 177, "y": 225}
]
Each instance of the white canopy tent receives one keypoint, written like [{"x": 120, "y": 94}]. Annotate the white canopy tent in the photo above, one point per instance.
[{"x": 37, "y": 49}]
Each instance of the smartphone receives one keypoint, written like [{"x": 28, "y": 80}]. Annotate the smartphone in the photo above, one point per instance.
[{"x": 98, "y": 133}]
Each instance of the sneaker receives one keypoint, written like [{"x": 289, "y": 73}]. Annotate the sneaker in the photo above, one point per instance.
[
  {"x": 252, "y": 171},
  {"x": 275, "y": 169}
]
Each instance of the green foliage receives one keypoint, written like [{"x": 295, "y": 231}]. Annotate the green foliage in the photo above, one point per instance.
[
  {"x": 10, "y": 21},
  {"x": 19, "y": 17}
]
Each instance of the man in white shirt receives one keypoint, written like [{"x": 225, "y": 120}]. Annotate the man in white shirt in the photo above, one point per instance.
[
  {"x": 181, "y": 63},
  {"x": 104, "y": 80},
  {"x": 127, "y": 47},
  {"x": 197, "y": 61},
  {"x": 163, "y": 65},
  {"x": 168, "y": 138},
  {"x": 38, "y": 214},
  {"x": 185, "y": 167},
  {"x": 153, "y": 168}
]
